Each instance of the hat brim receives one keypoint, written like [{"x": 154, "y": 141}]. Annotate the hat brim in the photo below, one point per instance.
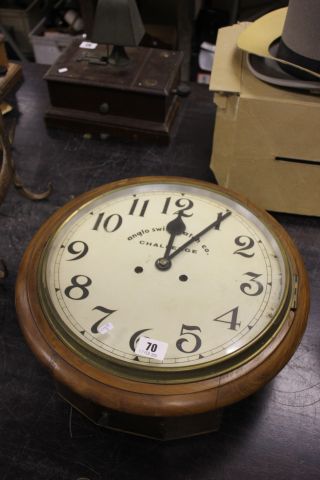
[
  {"x": 269, "y": 71},
  {"x": 258, "y": 37}
]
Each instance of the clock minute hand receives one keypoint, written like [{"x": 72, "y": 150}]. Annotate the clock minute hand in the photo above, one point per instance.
[{"x": 216, "y": 225}]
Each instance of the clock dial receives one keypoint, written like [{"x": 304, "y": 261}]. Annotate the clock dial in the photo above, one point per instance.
[
  {"x": 157, "y": 301},
  {"x": 188, "y": 270}
]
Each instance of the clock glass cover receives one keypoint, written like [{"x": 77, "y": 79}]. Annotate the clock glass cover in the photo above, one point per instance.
[{"x": 165, "y": 282}]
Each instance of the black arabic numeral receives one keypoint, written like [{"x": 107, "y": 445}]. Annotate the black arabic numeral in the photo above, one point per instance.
[
  {"x": 246, "y": 243},
  {"x": 135, "y": 338},
  {"x": 78, "y": 248},
  {"x": 77, "y": 285},
  {"x": 134, "y": 206},
  {"x": 247, "y": 288},
  {"x": 110, "y": 224},
  {"x": 107, "y": 311},
  {"x": 182, "y": 203},
  {"x": 188, "y": 330},
  {"x": 166, "y": 205},
  {"x": 233, "y": 324}
]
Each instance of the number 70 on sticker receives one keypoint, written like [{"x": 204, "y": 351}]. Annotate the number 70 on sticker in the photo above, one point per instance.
[{"x": 151, "y": 348}]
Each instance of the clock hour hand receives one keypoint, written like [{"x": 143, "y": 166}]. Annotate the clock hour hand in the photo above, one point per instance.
[
  {"x": 175, "y": 227},
  {"x": 165, "y": 263}
]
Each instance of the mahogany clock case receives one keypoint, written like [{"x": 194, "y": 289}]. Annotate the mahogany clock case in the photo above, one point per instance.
[{"x": 117, "y": 401}]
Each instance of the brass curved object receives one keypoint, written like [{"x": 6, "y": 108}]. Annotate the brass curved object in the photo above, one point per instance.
[
  {"x": 28, "y": 193},
  {"x": 6, "y": 165},
  {"x": 8, "y": 176}
]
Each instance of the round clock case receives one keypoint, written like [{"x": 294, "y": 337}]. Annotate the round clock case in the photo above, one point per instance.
[{"x": 157, "y": 301}]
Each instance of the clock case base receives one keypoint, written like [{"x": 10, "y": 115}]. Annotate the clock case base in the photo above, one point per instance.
[
  {"x": 138, "y": 100},
  {"x": 158, "y": 428}
]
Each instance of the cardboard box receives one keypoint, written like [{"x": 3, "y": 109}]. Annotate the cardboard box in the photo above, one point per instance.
[
  {"x": 266, "y": 139},
  {"x": 48, "y": 46}
]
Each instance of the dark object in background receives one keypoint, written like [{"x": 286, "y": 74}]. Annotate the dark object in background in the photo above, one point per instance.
[
  {"x": 62, "y": 16},
  {"x": 168, "y": 25},
  {"x": 206, "y": 30},
  {"x": 250, "y": 10},
  {"x": 117, "y": 23},
  {"x": 3, "y": 70},
  {"x": 208, "y": 23},
  {"x": 15, "y": 3}
]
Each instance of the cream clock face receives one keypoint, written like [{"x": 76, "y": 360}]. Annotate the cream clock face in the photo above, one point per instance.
[{"x": 166, "y": 279}]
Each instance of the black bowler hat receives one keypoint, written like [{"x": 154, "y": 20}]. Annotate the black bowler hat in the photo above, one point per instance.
[{"x": 284, "y": 46}]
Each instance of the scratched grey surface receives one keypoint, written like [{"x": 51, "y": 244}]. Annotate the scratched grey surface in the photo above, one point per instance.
[{"x": 273, "y": 434}]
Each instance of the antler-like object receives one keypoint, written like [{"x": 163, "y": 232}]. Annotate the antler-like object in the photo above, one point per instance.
[
  {"x": 8, "y": 176},
  {"x": 7, "y": 169}
]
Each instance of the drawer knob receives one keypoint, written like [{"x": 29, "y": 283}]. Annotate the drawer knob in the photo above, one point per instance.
[{"x": 104, "y": 108}]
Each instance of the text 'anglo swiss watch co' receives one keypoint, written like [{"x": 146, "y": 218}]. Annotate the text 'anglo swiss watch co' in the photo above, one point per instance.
[{"x": 161, "y": 298}]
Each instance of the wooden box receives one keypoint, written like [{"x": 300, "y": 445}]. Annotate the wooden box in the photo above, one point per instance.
[{"x": 136, "y": 100}]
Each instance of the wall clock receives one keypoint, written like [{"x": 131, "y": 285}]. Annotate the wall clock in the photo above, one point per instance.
[{"x": 157, "y": 301}]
